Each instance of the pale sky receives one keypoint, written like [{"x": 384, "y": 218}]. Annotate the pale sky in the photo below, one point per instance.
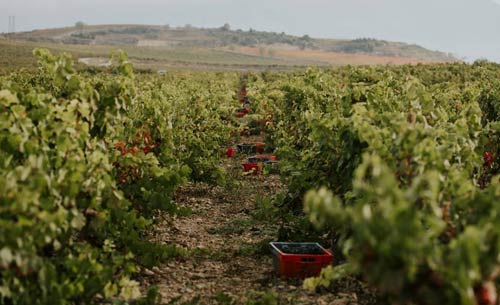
[{"x": 467, "y": 28}]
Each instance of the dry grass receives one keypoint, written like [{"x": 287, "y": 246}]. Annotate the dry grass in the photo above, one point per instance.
[{"x": 331, "y": 58}]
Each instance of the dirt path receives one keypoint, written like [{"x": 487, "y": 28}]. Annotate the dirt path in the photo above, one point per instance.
[{"x": 227, "y": 240}]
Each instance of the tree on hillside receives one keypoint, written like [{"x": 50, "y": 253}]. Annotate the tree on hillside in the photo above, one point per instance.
[
  {"x": 80, "y": 25},
  {"x": 226, "y": 27}
]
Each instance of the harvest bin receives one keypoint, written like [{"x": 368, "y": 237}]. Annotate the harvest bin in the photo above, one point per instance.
[
  {"x": 299, "y": 260},
  {"x": 230, "y": 151},
  {"x": 258, "y": 163},
  {"x": 252, "y": 167},
  {"x": 272, "y": 167},
  {"x": 255, "y": 147}
]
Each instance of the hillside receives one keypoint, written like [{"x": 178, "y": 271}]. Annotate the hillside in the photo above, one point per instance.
[{"x": 163, "y": 46}]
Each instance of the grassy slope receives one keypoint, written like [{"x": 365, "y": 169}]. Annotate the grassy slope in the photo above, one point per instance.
[{"x": 14, "y": 55}]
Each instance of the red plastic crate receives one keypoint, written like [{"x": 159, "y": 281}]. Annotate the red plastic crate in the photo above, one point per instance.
[
  {"x": 259, "y": 147},
  {"x": 299, "y": 260},
  {"x": 230, "y": 152},
  {"x": 252, "y": 167}
]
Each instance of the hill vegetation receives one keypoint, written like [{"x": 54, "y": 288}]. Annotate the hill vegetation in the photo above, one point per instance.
[{"x": 277, "y": 49}]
